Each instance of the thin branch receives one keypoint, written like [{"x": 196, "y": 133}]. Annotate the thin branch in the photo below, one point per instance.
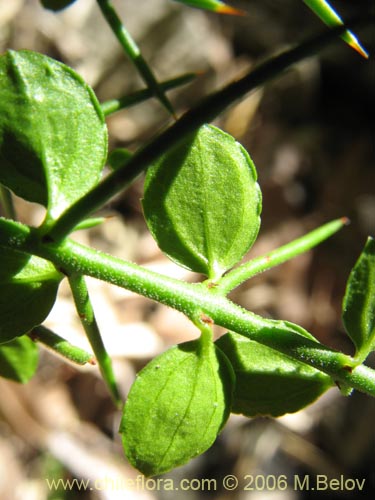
[{"x": 202, "y": 113}]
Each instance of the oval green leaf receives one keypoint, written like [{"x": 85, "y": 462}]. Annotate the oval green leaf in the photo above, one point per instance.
[
  {"x": 176, "y": 407},
  {"x": 359, "y": 302},
  {"x": 53, "y": 138},
  {"x": 28, "y": 287},
  {"x": 18, "y": 359},
  {"x": 268, "y": 382},
  {"x": 202, "y": 202}
]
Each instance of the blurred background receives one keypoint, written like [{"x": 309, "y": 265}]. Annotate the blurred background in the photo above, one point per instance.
[{"x": 310, "y": 133}]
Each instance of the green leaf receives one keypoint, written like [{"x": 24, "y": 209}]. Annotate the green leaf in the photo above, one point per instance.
[
  {"x": 268, "y": 382},
  {"x": 176, "y": 407},
  {"x": 60, "y": 346},
  {"x": 202, "y": 202},
  {"x": 282, "y": 254},
  {"x": 53, "y": 139},
  {"x": 330, "y": 17},
  {"x": 56, "y": 4},
  {"x": 18, "y": 359},
  {"x": 359, "y": 302},
  {"x": 28, "y": 287},
  {"x": 213, "y": 5},
  {"x": 89, "y": 223}
]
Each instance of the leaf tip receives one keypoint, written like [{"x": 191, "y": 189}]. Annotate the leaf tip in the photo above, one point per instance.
[
  {"x": 227, "y": 9},
  {"x": 350, "y": 38},
  {"x": 345, "y": 221},
  {"x": 358, "y": 48}
]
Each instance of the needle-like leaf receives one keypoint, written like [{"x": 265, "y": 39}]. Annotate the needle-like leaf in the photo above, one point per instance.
[
  {"x": 330, "y": 17},
  {"x": 133, "y": 52}
]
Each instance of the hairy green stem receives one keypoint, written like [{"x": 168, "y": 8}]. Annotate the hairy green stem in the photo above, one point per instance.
[
  {"x": 276, "y": 257},
  {"x": 61, "y": 346},
  {"x": 87, "y": 316},
  {"x": 114, "y": 105},
  {"x": 133, "y": 52},
  {"x": 202, "y": 113},
  {"x": 191, "y": 299}
]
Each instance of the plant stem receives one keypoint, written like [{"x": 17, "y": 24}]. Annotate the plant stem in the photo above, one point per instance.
[
  {"x": 133, "y": 52},
  {"x": 61, "y": 346},
  {"x": 276, "y": 257},
  {"x": 205, "y": 324},
  {"x": 86, "y": 314},
  {"x": 114, "y": 105},
  {"x": 202, "y": 113},
  {"x": 191, "y": 299}
]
